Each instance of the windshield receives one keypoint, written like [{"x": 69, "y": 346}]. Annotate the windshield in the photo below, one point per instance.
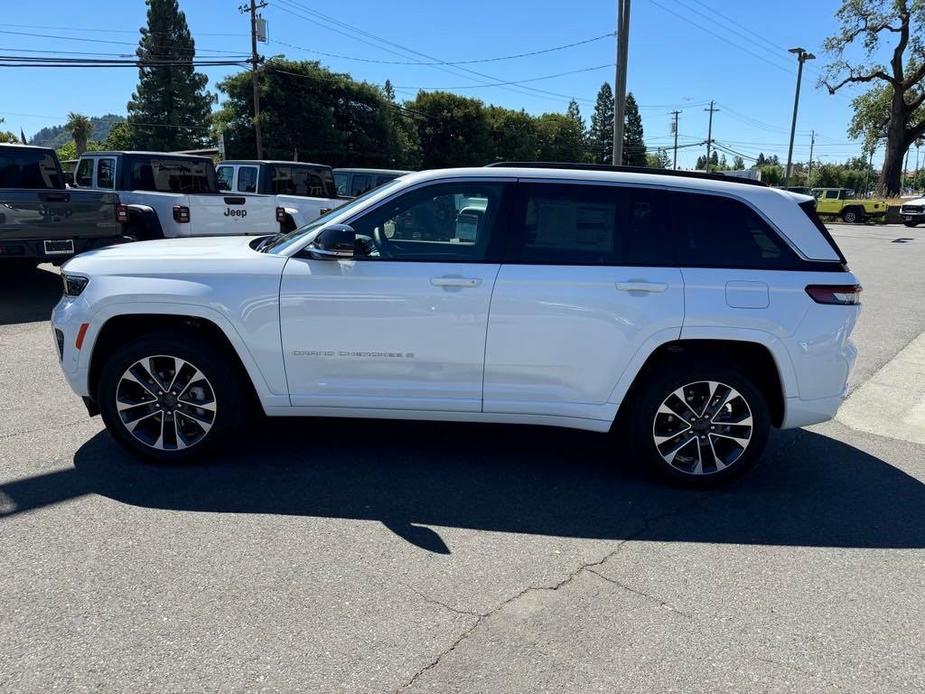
[{"x": 284, "y": 242}]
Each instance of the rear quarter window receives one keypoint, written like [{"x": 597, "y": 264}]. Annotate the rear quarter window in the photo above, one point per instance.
[
  {"x": 171, "y": 175},
  {"x": 715, "y": 231},
  {"x": 306, "y": 181}
]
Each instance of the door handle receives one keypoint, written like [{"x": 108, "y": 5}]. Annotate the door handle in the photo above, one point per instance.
[
  {"x": 455, "y": 281},
  {"x": 651, "y": 287}
]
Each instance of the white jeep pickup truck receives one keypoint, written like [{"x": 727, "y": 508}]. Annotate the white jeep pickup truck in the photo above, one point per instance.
[
  {"x": 691, "y": 311},
  {"x": 302, "y": 191},
  {"x": 174, "y": 195}
]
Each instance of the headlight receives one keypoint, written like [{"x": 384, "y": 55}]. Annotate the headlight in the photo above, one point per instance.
[{"x": 74, "y": 284}]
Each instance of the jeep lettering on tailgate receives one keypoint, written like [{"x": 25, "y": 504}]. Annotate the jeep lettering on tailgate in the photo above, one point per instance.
[{"x": 235, "y": 213}]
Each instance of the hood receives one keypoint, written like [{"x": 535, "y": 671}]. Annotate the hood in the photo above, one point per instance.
[{"x": 186, "y": 248}]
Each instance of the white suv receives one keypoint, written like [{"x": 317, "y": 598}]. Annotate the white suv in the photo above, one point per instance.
[{"x": 698, "y": 311}]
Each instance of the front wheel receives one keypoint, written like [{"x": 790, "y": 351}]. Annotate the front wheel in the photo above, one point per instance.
[
  {"x": 169, "y": 398},
  {"x": 700, "y": 424}
]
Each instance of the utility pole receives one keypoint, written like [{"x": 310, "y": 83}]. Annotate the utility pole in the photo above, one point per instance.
[
  {"x": 623, "y": 40},
  {"x": 812, "y": 144},
  {"x": 802, "y": 56},
  {"x": 674, "y": 128},
  {"x": 255, "y": 64},
  {"x": 712, "y": 110},
  {"x": 870, "y": 165}
]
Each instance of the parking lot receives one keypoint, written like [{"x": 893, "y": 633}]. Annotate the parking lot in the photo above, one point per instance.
[{"x": 328, "y": 555}]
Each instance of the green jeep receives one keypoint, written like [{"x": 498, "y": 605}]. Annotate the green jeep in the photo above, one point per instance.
[{"x": 843, "y": 203}]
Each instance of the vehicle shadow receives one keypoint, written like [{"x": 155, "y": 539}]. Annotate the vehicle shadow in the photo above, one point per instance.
[
  {"x": 27, "y": 295},
  {"x": 810, "y": 490}
]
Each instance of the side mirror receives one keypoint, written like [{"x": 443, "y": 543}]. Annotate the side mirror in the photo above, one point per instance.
[{"x": 334, "y": 242}]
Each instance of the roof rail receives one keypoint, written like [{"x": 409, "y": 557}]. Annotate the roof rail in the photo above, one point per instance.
[{"x": 572, "y": 166}]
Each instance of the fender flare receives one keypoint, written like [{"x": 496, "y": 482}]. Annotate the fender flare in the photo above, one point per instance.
[
  {"x": 124, "y": 308},
  {"x": 147, "y": 216}
]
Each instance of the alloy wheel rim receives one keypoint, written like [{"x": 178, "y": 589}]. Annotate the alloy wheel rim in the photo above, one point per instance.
[
  {"x": 166, "y": 403},
  {"x": 703, "y": 427}
]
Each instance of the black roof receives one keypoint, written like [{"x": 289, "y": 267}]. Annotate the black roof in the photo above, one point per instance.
[{"x": 569, "y": 166}]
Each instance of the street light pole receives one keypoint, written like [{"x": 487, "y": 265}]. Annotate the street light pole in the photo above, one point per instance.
[{"x": 802, "y": 56}]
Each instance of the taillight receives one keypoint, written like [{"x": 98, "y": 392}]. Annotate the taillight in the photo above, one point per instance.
[
  {"x": 121, "y": 213},
  {"x": 181, "y": 214},
  {"x": 839, "y": 294},
  {"x": 280, "y": 214}
]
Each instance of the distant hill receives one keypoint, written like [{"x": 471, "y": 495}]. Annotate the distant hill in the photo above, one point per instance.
[{"x": 57, "y": 135}]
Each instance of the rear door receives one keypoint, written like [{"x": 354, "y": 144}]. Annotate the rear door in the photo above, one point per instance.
[{"x": 586, "y": 281}]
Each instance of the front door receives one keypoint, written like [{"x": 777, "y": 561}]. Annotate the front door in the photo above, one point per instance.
[{"x": 401, "y": 325}]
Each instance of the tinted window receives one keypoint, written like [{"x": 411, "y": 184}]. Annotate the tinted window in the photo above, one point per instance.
[
  {"x": 312, "y": 182},
  {"x": 28, "y": 168},
  {"x": 105, "y": 173},
  {"x": 247, "y": 179},
  {"x": 360, "y": 184},
  {"x": 341, "y": 180},
  {"x": 384, "y": 178},
  {"x": 590, "y": 225},
  {"x": 225, "y": 177},
  {"x": 713, "y": 231},
  {"x": 442, "y": 223},
  {"x": 831, "y": 194},
  {"x": 84, "y": 175},
  {"x": 172, "y": 175}
]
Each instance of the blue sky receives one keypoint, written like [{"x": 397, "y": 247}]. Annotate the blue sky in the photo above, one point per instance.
[{"x": 682, "y": 54}]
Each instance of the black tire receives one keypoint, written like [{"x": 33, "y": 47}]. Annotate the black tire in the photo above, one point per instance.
[
  {"x": 852, "y": 215},
  {"x": 911, "y": 224},
  {"x": 229, "y": 403},
  {"x": 646, "y": 421}
]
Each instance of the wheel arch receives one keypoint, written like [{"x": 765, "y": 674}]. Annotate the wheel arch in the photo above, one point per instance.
[
  {"x": 753, "y": 357},
  {"x": 120, "y": 328},
  {"x": 145, "y": 217}
]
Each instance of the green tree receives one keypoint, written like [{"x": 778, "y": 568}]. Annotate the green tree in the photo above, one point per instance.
[
  {"x": 738, "y": 163},
  {"x": 403, "y": 147},
  {"x": 6, "y": 136},
  {"x": 560, "y": 138},
  {"x": 574, "y": 112},
  {"x": 80, "y": 127},
  {"x": 513, "y": 135},
  {"x": 658, "y": 160},
  {"x": 893, "y": 108},
  {"x": 325, "y": 116},
  {"x": 170, "y": 109},
  {"x": 634, "y": 146},
  {"x": 772, "y": 174},
  {"x": 600, "y": 134},
  {"x": 454, "y": 130},
  {"x": 69, "y": 150},
  {"x": 121, "y": 137}
]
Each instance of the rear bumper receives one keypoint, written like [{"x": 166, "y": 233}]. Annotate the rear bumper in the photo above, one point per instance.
[{"x": 34, "y": 249}]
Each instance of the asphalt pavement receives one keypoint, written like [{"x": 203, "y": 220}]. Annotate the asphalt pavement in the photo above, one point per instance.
[{"x": 355, "y": 556}]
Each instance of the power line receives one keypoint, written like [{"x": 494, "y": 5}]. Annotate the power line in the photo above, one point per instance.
[
  {"x": 109, "y": 31},
  {"x": 315, "y": 16},
  {"x": 113, "y": 43},
  {"x": 448, "y": 62},
  {"x": 513, "y": 82}
]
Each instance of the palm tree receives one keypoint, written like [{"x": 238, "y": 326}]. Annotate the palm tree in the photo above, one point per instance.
[{"x": 80, "y": 127}]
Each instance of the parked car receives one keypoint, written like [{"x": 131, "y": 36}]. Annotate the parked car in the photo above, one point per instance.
[
  {"x": 354, "y": 182},
  {"x": 302, "y": 192},
  {"x": 694, "y": 311},
  {"x": 844, "y": 204},
  {"x": 912, "y": 212},
  {"x": 41, "y": 220},
  {"x": 174, "y": 195}
]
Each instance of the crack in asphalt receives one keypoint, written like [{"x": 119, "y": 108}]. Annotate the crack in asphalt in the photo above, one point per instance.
[
  {"x": 643, "y": 594},
  {"x": 434, "y": 601},
  {"x": 588, "y": 566}
]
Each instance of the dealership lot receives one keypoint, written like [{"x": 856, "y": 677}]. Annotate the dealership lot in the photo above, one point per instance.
[{"x": 386, "y": 556}]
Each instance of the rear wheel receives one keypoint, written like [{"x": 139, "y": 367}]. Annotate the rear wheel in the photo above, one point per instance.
[
  {"x": 169, "y": 398},
  {"x": 852, "y": 215},
  {"x": 700, "y": 424}
]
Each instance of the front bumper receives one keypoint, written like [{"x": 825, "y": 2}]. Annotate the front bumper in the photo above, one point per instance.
[{"x": 66, "y": 318}]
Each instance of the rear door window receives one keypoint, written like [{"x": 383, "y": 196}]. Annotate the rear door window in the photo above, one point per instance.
[
  {"x": 715, "y": 231},
  {"x": 225, "y": 177},
  {"x": 247, "y": 179},
  {"x": 105, "y": 173},
  {"x": 29, "y": 168},
  {"x": 360, "y": 184},
  {"x": 84, "y": 175},
  {"x": 560, "y": 224}
]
